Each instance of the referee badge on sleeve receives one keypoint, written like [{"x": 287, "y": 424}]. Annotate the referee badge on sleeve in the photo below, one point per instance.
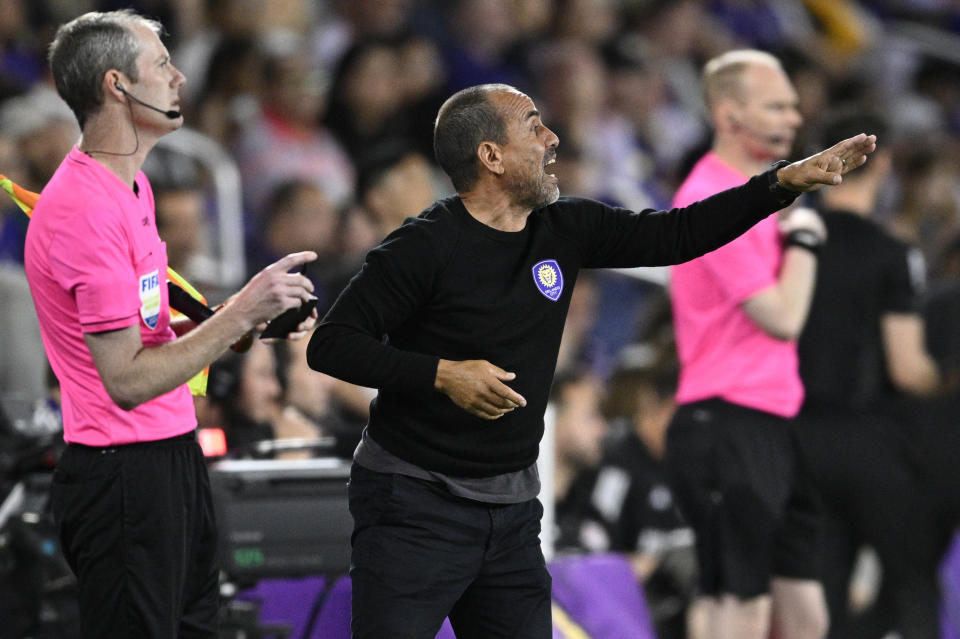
[{"x": 149, "y": 288}]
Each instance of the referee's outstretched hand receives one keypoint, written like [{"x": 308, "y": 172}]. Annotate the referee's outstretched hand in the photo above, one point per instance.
[
  {"x": 273, "y": 290},
  {"x": 829, "y": 166},
  {"x": 478, "y": 387}
]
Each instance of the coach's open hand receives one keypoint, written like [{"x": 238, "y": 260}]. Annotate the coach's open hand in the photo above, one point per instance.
[
  {"x": 478, "y": 387},
  {"x": 828, "y": 167}
]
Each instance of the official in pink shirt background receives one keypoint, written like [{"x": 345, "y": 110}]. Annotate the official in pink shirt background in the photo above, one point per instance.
[
  {"x": 738, "y": 311},
  {"x": 723, "y": 351}
]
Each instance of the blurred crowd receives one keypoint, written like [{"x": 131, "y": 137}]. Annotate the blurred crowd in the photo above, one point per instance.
[{"x": 322, "y": 113}]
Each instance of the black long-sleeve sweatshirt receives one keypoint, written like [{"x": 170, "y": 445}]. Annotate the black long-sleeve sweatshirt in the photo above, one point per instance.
[{"x": 446, "y": 286}]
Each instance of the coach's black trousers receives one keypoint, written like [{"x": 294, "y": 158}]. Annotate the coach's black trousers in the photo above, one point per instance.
[{"x": 421, "y": 554}]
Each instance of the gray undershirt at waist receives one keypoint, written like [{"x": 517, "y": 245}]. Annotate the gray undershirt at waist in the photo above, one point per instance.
[{"x": 508, "y": 488}]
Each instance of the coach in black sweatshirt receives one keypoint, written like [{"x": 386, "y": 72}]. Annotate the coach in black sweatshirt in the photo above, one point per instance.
[{"x": 456, "y": 319}]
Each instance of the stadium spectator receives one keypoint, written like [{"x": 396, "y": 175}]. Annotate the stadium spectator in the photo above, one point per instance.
[{"x": 287, "y": 140}]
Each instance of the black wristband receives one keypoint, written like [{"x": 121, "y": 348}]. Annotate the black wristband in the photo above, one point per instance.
[{"x": 805, "y": 239}]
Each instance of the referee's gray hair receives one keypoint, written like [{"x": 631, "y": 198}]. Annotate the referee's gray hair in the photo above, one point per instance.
[
  {"x": 722, "y": 74},
  {"x": 85, "y": 48}
]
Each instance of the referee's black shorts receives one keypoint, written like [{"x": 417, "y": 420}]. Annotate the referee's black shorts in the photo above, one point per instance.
[
  {"x": 740, "y": 482},
  {"x": 136, "y": 525}
]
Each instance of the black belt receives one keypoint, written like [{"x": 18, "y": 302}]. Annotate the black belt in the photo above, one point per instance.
[{"x": 190, "y": 435}]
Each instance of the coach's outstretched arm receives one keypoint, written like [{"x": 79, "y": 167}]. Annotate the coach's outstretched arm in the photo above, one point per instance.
[{"x": 829, "y": 166}]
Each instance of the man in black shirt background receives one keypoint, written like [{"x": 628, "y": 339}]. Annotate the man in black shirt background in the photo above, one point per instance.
[
  {"x": 630, "y": 507},
  {"x": 936, "y": 421},
  {"x": 456, "y": 319},
  {"x": 579, "y": 429},
  {"x": 861, "y": 348}
]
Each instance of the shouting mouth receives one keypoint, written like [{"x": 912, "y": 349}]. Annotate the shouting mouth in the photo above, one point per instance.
[{"x": 552, "y": 160}]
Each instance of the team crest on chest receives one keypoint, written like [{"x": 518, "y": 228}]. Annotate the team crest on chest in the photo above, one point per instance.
[
  {"x": 150, "y": 298},
  {"x": 549, "y": 279}
]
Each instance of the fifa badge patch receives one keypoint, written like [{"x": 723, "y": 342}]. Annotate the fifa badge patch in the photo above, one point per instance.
[
  {"x": 549, "y": 279},
  {"x": 150, "y": 298}
]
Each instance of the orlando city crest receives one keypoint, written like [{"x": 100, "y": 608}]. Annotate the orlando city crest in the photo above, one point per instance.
[{"x": 549, "y": 279}]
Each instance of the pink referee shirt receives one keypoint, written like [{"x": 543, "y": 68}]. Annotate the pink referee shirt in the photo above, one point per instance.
[
  {"x": 95, "y": 263},
  {"x": 723, "y": 353}
]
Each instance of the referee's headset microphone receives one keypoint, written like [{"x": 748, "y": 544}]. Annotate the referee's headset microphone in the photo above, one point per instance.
[
  {"x": 172, "y": 114},
  {"x": 749, "y": 130}
]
